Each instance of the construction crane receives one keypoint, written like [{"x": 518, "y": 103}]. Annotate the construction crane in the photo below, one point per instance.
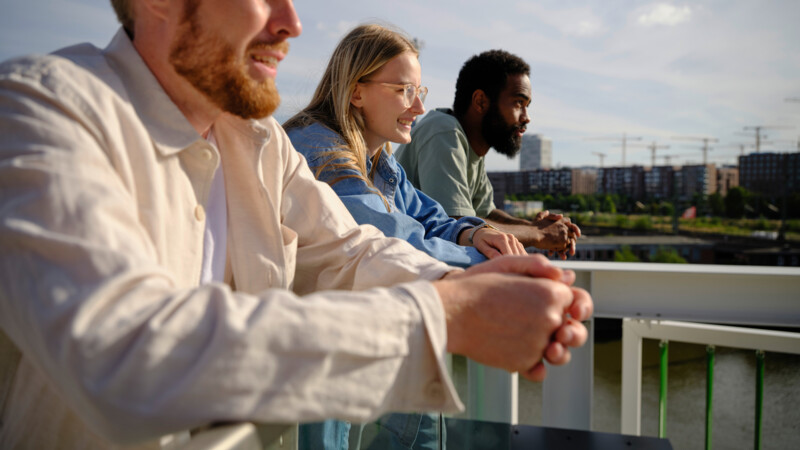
[
  {"x": 727, "y": 154},
  {"x": 652, "y": 147},
  {"x": 624, "y": 139},
  {"x": 757, "y": 130},
  {"x": 601, "y": 156},
  {"x": 704, "y": 147},
  {"x": 668, "y": 158}
]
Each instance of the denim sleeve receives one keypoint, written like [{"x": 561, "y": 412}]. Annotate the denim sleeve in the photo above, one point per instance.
[
  {"x": 367, "y": 207},
  {"x": 429, "y": 212}
]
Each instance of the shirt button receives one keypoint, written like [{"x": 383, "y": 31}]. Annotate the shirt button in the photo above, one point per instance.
[
  {"x": 207, "y": 154},
  {"x": 199, "y": 213}
]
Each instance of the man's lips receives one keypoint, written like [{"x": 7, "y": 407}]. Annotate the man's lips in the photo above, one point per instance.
[{"x": 268, "y": 56}]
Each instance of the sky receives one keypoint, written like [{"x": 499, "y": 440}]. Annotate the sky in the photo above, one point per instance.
[{"x": 660, "y": 72}]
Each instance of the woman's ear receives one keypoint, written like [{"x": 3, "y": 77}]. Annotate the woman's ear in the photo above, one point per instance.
[{"x": 356, "y": 99}]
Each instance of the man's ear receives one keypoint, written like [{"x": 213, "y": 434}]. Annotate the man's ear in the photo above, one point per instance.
[
  {"x": 157, "y": 8},
  {"x": 356, "y": 99},
  {"x": 480, "y": 101}
]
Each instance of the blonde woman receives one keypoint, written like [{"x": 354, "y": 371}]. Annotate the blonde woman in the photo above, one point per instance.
[{"x": 369, "y": 96}]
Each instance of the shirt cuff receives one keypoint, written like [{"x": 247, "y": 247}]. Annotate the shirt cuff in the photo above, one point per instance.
[{"x": 438, "y": 392}]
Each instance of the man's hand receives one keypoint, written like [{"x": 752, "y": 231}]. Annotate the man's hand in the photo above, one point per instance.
[
  {"x": 513, "y": 312},
  {"x": 559, "y": 234},
  {"x": 551, "y": 232},
  {"x": 493, "y": 243}
]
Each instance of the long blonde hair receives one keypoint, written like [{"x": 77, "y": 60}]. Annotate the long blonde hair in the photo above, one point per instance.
[{"x": 361, "y": 53}]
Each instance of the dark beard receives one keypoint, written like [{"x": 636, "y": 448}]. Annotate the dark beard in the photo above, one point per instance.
[
  {"x": 210, "y": 65},
  {"x": 500, "y": 135}
]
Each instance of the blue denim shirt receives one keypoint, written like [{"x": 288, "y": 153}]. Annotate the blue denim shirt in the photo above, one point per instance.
[{"x": 415, "y": 217}]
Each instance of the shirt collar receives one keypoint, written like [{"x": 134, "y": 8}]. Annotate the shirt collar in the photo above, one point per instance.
[{"x": 166, "y": 124}]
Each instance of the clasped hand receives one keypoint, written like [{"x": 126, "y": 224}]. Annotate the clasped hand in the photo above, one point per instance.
[
  {"x": 559, "y": 234},
  {"x": 514, "y": 312}
]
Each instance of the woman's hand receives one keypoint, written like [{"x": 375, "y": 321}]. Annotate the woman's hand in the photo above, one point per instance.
[{"x": 493, "y": 243}]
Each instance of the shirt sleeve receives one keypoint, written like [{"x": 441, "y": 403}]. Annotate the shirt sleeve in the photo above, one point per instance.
[
  {"x": 484, "y": 195},
  {"x": 442, "y": 169},
  {"x": 137, "y": 354}
]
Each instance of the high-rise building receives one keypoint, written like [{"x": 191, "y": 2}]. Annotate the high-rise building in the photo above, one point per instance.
[
  {"x": 536, "y": 152},
  {"x": 697, "y": 179},
  {"x": 727, "y": 177},
  {"x": 553, "y": 182},
  {"x": 770, "y": 173}
]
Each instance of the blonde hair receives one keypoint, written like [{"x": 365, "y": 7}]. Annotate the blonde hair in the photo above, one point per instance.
[{"x": 364, "y": 51}]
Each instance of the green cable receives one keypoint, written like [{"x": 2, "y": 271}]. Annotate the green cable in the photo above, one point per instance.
[
  {"x": 662, "y": 397},
  {"x": 759, "y": 396},
  {"x": 710, "y": 351}
]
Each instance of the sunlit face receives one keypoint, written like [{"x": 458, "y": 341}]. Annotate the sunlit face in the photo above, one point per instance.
[
  {"x": 505, "y": 122},
  {"x": 230, "y": 49},
  {"x": 386, "y": 118}
]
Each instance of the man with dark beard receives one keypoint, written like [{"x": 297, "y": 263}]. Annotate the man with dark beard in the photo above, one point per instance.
[
  {"x": 168, "y": 261},
  {"x": 445, "y": 156}
]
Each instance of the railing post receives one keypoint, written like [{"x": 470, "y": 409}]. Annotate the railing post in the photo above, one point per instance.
[
  {"x": 759, "y": 396},
  {"x": 631, "y": 404},
  {"x": 567, "y": 390},
  {"x": 492, "y": 394},
  {"x": 710, "y": 352},
  {"x": 662, "y": 391}
]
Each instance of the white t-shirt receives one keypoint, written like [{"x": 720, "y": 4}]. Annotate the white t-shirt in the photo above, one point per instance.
[{"x": 215, "y": 237}]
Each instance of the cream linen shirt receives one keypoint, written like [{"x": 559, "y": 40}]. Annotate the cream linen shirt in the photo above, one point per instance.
[{"x": 103, "y": 184}]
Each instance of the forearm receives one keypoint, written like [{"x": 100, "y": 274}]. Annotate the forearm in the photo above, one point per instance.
[
  {"x": 498, "y": 216},
  {"x": 528, "y": 235}
]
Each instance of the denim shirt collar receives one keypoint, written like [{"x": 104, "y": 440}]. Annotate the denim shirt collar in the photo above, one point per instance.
[{"x": 386, "y": 176}]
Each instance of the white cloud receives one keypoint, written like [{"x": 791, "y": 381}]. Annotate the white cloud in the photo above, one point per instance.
[
  {"x": 579, "y": 21},
  {"x": 665, "y": 14}
]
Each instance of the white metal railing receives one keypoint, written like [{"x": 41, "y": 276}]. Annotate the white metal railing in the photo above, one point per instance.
[
  {"x": 736, "y": 295},
  {"x": 634, "y": 330}
]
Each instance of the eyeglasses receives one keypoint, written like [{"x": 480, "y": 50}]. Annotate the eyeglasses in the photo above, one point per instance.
[{"x": 409, "y": 91}]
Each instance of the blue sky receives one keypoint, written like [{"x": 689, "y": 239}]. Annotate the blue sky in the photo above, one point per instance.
[{"x": 599, "y": 68}]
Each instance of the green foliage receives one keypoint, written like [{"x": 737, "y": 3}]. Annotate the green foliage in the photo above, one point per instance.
[
  {"x": 716, "y": 204},
  {"x": 622, "y": 221},
  {"x": 667, "y": 209},
  {"x": 608, "y": 205},
  {"x": 735, "y": 202},
  {"x": 625, "y": 254},
  {"x": 643, "y": 223},
  {"x": 667, "y": 255}
]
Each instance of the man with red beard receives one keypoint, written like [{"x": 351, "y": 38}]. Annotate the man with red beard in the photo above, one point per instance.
[
  {"x": 445, "y": 156},
  {"x": 167, "y": 260}
]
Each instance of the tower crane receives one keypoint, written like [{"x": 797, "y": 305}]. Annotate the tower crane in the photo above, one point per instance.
[
  {"x": 601, "y": 156},
  {"x": 652, "y": 147},
  {"x": 758, "y": 135},
  {"x": 668, "y": 158},
  {"x": 624, "y": 139},
  {"x": 704, "y": 147}
]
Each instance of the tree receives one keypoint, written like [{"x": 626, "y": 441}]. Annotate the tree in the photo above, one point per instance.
[
  {"x": 717, "y": 204},
  {"x": 667, "y": 209},
  {"x": 625, "y": 254},
  {"x": 668, "y": 255},
  {"x": 735, "y": 202},
  {"x": 608, "y": 205}
]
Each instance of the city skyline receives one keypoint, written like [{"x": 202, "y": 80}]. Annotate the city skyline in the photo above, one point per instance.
[{"x": 654, "y": 70}]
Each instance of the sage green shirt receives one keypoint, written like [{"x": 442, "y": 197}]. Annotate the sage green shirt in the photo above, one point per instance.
[{"x": 440, "y": 162}]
